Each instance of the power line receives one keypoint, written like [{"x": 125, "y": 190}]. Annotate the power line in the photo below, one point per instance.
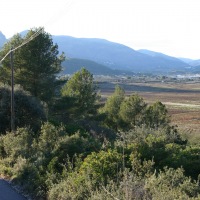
[
  {"x": 29, "y": 39},
  {"x": 26, "y": 41},
  {"x": 69, "y": 3},
  {"x": 36, "y": 34},
  {"x": 58, "y": 13}
]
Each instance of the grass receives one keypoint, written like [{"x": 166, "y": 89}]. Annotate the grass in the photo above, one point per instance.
[{"x": 182, "y": 100}]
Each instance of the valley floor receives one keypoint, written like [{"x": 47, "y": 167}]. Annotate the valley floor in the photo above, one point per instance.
[{"x": 182, "y": 99}]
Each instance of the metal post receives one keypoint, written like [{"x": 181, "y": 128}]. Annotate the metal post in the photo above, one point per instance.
[{"x": 12, "y": 92}]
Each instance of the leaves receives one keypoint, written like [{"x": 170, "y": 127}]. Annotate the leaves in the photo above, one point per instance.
[
  {"x": 82, "y": 89},
  {"x": 36, "y": 64},
  {"x": 29, "y": 111}
]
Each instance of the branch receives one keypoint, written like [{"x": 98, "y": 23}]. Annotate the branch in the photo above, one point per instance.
[{"x": 109, "y": 193}]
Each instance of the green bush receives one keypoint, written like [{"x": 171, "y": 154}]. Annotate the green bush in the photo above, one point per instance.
[
  {"x": 28, "y": 110},
  {"x": 172, "y": 184},
  {"x": 18, "y": 144},
  {"x": 28, "y": 177},
  {"x": 103, "y": 165},
  {"x": 75, "y": 186}
]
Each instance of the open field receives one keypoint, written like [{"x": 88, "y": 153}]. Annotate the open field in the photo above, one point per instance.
[{"x": 181, "y": 98}]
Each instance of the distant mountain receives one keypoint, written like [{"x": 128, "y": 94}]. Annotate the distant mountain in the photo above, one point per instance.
[
  {"x": 113, "y": 55},
  {"x": 2, "y": 39},
  {"x": 191, "y": 62},
  {"x": 108, "y": 56},
  {"x": 195, "y": 63},
  {"x": 165, "y": 60},
  {"x": 72, "y": 65},
  {"x": 116, "y": 56},
  {"x": 195, "y": 69},
  {"x": 186, "y": 60}
]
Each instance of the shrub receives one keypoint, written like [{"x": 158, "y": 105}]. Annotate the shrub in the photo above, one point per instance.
[{"x": 172, "y": 184}]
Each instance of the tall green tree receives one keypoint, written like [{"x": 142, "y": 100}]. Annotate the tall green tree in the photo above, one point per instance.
[
  {"x": 82, "y": 89},
  {"x": 5, "y": 70},
  {"x": 132, "y": 110},
  {"x": 36, "y": 64},
  {"x": 157, "y": 115},
  {"x": 112, "y": 108}
]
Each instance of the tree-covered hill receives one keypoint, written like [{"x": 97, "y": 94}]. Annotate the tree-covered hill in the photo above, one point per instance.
[{"x": 73, "y": 65}]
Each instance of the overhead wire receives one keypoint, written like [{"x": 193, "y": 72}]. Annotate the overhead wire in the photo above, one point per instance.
[
  {"x": 36, "y": 34},
  {"x": 32, "y": 37},
  {"x": 62, "y": 11},
  {"x": 26, "y": 41}
]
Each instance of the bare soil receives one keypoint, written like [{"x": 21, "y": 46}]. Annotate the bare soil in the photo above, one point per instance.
[{"x": 181, "y": 99}]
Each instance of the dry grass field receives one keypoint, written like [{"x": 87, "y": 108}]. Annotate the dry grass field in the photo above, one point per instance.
[{"x": 181, "y": 98}]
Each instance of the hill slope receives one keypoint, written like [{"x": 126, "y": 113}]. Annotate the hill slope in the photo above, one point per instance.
[
  {"x": 166, "y": 61},
  {"x": 72, "y": 65},
  {"x": 195, "y": 63},
  {"x": 116, "y": 56}
]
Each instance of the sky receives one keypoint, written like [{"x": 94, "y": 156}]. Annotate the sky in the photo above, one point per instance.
[{"x": 168, "y": 26}]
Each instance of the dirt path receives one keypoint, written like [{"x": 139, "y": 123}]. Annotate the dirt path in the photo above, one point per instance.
[
  {"x": 8, "y": 193},
  {"x": 182, "y": 105}
]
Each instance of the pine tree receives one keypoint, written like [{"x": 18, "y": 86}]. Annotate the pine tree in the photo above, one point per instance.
[{"x": 36, "y": 64}]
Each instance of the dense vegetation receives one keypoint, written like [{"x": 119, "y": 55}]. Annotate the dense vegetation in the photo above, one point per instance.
[{"x": 79, "y": 147}]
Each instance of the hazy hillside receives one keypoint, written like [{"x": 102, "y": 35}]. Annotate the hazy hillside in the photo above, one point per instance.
[
  {"x": 116, "y": 56},
  {"x": 113, "y": 55},
  {"x": 2, "y": 39},
  {"x": 73, "y": 64},
  {"x": 165, "y": 60},
  {"x": 195, "y": 69},
  {"x": 186, "y": 60},
  {"x": 191, "y": 62},
  {"x": 195, "y": 63}
]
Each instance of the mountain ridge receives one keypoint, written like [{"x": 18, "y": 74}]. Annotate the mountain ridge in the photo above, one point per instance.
[
  {"x": 71, "y": 65},
  {"x": 117, "y": 56}
]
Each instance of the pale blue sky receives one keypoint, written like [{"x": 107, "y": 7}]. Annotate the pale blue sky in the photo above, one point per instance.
[{"x": 168, "y": 26}]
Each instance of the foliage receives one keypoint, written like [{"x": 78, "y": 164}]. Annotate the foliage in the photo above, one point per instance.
[
  {"x": 172, "y": 184},
  {"x": 103, "y": 165},
  {"x": 112, "y": 108},
  {"x": 164, "y": 147},
  {"x": 82, "y": 89},
  {"x": 129, "y": 186},
  {"x": 18, "y": 144},
  {"x": 28, "y": 110},
  {"x": 132, "y": 111},
  {"x": 187, "y": 157},
  {"x": 36, "y": 64},
  {"x": 74, "y": 186},
  {"x": 66, "y": 166},
  {"x": 135, "y": 155},
  {"x": 124, "y": 114},
  {"x": 156, "y": 115},
  {"x": 5, "y": 71},
  {"x": 25, "y": 170}
]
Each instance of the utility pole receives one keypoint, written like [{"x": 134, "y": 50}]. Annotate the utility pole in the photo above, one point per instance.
[{"x": 12, "y": 92}]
